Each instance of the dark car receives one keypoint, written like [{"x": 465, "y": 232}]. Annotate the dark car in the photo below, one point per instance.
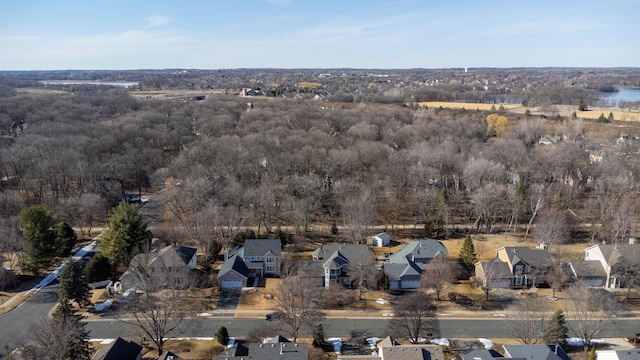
[{"x": 273, "y": 316}]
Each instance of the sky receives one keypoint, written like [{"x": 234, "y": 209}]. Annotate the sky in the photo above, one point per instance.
[{"x": 365, "y": 34}]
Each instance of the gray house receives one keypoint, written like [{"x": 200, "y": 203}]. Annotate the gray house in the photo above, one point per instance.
[
  {"x": 233, "y": 274},
  {"x": 333, "y": 263},
  {"x": 405, "y": 267},
  {"x": 171, "y": 264},
  {"x": 271, "y": 348},
  {"x": 256, "y": 258}
]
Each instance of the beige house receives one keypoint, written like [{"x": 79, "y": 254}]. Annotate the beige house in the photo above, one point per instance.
[{"x": 171, "y": 264}]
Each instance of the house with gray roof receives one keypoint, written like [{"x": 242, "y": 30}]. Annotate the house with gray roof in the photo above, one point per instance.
[
  {"x": 119, "y": 349},
  {"x": 589, "y": 272},
  {"x": 483, "y": 354},
  {"x": 271, "y": 348},
  {"x": 608, "y": 255},
  {"x": 493, "y": 274},
  {"x": 527, "y": 266},
  {"x": 405, "y": 267},
  {"x": 172, "y": 263},
  {"x": 390, "y": 349},
  {"x": 336, "y": 262},
  {"x": 535, "y": 352},
  {"x": 259, "y": 258}
]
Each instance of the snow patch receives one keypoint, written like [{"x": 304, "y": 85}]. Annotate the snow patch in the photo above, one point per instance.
[
  {"x": 488, "y": 344},
  {"x": 442, "y": 341},
  {"x": 381, "y": 301},
  {"x": 337, "y": 344}
]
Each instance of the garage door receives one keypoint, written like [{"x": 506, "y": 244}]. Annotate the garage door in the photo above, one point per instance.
[
  {"x": 407, "y": 284},
  {"x": 231, "y": 283}
]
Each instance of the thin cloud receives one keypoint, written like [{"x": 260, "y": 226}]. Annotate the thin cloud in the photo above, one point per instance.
[{"x": 158, "y": 20}]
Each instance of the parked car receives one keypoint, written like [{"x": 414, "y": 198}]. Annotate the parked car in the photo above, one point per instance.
[{"x": 273, "y": 316}]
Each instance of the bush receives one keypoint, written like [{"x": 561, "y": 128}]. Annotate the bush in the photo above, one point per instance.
[
  {"x": 222, "y": 335},
  {"x": 460, "y": 299},
  {"x": 98, "y": 268}
]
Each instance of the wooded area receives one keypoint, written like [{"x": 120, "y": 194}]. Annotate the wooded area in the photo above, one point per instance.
[{"x": 359, "y": 155}]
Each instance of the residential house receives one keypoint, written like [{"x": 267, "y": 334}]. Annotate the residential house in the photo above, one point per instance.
[
  {"x": 119, "y": 349},
  {"x": 494, "y": 274},
  {"x": 405, "y": 267},
  {"x": 381, "y": 239},
  {"x": 172, "y": 263},
  {"x": 334, "y": 263},
  {"x": 528, "y": 266},
  {"x": 271, "y": 348},
  {"x": 260, "y": 257},
  {"x": 520, "y": 352},
  {"x": 608, "y": 255},
  {"x": 589, "y": 272},
  {"x": 391, "y": 349},
  {"x": 535, "y": 352},
  {"x": 233, "y": 274},
  {"x": 631, "y": 354}
]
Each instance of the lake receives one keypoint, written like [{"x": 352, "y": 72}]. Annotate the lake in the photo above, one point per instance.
[
  {"x": 623, "y": 94},
  {"x": 88, "y": 82}
]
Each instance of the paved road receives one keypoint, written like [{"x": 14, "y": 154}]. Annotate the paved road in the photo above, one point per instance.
[
  {"x": 451, "y": 328},
  {"x": 17, "y": 323}
]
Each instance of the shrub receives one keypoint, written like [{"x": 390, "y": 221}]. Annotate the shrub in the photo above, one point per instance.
[{"x": 222, "y": 335}]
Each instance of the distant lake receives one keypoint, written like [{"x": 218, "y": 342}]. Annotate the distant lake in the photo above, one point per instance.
[
  {"x": 623, "y": 94},
  {"x": 88, "y": 82}
]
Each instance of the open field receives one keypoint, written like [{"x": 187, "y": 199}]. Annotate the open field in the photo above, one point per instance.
[{"x": 467, "y": 106}]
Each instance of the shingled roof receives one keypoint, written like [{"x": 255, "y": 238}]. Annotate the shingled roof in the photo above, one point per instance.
[{"x": 419, "y": 249}]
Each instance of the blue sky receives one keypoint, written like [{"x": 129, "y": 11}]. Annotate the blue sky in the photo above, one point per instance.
[{"x": 216, "y": 34}]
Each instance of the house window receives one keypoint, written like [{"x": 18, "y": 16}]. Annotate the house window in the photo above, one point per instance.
[
  {"x": 153, "y": 270},
  {"x": 519, "y": 269},
  {"x": 271, "y": 269},
  {"x": 271, "y": 260}
]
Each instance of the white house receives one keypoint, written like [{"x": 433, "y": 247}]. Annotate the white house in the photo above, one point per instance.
[{"x": 381, "y": 239}]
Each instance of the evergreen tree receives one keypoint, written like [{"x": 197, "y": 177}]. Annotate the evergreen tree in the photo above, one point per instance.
[
  {"x": 73, "y": 285},
  {"x": 556, "y": 331},
  {"x": 467, "y": 257},
  {"x": 592, "y": 354},
  {"x": 78, "y": 347},
  {"x": 65, "y": 238},
  {"x": 222, "y": 335},
  {"x": 383, "y": 282},
  {"x": 318, "y": 337},
  {"x": 126, "y": 233},
  {"x": 97, "y": 269},
  {"x": 39, "y": 236}
]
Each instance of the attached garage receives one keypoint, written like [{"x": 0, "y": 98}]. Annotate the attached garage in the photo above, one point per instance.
[
  {"x": 411, "y": 284},
  {"x": 226, "y": 284}
]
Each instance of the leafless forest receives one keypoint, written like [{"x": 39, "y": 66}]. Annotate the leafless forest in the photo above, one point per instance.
[{"x": 324, "y": 151}]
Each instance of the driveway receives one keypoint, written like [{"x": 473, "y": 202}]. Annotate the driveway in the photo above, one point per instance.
[{"x": 228, "y": 299}]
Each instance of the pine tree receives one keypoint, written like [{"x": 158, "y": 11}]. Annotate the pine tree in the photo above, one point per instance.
[
  {"x": 76, "y": 335},
  {"x": 556, "y": 331},
  {"x": 467, "y": 257},
  {"x": 98, "y": 268},
  {"x": 127, "y": 232},
  {"x": 65, "y": 238},
  {"x": 222, "y": 335},
  {"x": 37, "y": 230},
  {"x": 383, "y": 282},
  {"x": 73, "y": 285}
]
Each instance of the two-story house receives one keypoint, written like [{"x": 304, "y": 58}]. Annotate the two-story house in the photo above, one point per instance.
[
  {"x": 169, "y": 265},
  {"x": 405, "y": 267},
  {"x": 256, "y": 258},
  {"x": 602, "y": 259},
  {"x": 528, "y": 266},
  {"x": 333, "y": 263}
]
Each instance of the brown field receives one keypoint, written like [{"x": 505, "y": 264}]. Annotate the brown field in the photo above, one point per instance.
[{"x": 467, "y": 106}]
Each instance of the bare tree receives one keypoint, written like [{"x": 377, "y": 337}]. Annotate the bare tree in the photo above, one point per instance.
[
  {"x": 552, "y": 227},
  {"x": 556, "y": 276},
  {"x": 161, "y": 302},
  {"x": 358, "y": 214},
  {"x": 627, "y": 268},
  {"x": 591, "y": 309},
  {"x": 300, "y": 305},
  {"x": 488, "y": 275},
  {"x": 527, "y": 322},
  {"x": 362, "y": 272},
  {"x": 414, "y": 317},
  {"x": 438, "y": 274}
]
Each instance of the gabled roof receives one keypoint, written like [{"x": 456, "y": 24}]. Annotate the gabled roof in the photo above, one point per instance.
[
  {"x": 260, "y": 247},
  {"x": 120, "y": 349},
  {"x": 277, "y": 349},
  {"x": 532, "y": 257},
  {"x": 393, "y": 350},
  {"x": 612, "y": 252},
  {"x": 234, "y": 264},
  {"x": 536, "y": 352},
  {"x": 312, "y": 272},
  {"x": 419, "y": 249},
  {"x": 496, "y": 268},
  {"x": 350, "y": 252},
  {"x": 174, "y": 255},
  {"x": 633, "y": 354},
  {"x": 335, "y": 261},
  {"x": 398, "y": 270},
  {"x": 482, "y": 354},
  {"x": 588, "y": 268}
]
